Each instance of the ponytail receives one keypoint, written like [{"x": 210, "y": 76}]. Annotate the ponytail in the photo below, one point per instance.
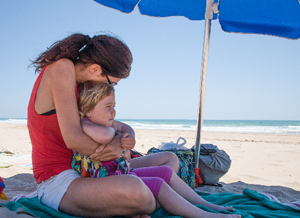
[{"x": 66, "y": 48}]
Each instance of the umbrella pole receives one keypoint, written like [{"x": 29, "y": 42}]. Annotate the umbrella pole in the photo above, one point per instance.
[{"x": 202, "y": 91}]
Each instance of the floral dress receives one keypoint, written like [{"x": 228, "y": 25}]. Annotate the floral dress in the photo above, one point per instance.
[{"x": 87, "y": 167}]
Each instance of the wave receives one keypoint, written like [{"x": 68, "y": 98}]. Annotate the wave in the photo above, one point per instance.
[
  {"x": 218, "y": 126},
  {"x": 13, "y": 121},
  {"x": 277, "y": 127},
  {"x": 161, "y": 126},
  {"x": 254, "y": 129}
]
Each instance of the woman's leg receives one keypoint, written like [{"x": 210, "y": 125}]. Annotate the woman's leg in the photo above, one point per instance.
[
  {"x": 122, "y": 195},
  {"x": 157, "y": 159}
]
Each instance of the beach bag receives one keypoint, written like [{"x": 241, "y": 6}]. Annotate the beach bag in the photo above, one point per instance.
[
  {"x": 213, "y": 163},
  {"x": 185, "y": 157},
  {"x": 171, "y": 145}
]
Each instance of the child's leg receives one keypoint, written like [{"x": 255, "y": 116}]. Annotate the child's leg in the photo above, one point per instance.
[
  {"x": 177, "y": 205},
  {"x": 153, "y": 177},
  {"x": 157, "y": 159},
  {"x": 191, "y": 196},
  {"x": 176, "y": 183},
  {"x": 163, "y": 172},
  {"x": 177, "y": 197}
]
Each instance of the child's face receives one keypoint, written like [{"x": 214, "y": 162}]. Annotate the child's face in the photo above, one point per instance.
[{"x": 104, "y": 112}]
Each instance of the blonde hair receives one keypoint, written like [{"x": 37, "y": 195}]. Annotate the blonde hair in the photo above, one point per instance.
[{"x": 90, "y": 93}]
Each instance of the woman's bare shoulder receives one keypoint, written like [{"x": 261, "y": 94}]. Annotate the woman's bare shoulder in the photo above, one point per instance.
[
  {"x": 63, "y": 62},
  {"x": 60, "y": 78},
  {"x": 62, "y": 67}
]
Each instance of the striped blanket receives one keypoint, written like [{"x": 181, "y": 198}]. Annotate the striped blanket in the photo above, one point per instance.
[{"x": 250, "y": 204}]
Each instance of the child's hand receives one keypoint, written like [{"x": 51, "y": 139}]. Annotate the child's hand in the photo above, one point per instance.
[{"x": 128, "y": 141}]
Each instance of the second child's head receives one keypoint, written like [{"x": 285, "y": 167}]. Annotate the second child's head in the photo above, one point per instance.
[{"x": 96, "y": 101}]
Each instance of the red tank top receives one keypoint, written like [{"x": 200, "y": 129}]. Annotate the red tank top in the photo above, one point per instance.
[{"x": 50, "y": 155}]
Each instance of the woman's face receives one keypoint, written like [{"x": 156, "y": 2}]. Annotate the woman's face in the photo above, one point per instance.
[{"x": 104, "y": 112}]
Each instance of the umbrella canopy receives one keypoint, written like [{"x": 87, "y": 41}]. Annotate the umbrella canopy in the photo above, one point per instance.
[
  {"x": 271, "y": 17},
  {"x": 278, "y": 18}
]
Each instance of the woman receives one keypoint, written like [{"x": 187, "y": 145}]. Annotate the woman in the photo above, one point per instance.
[{"x": 55, "y": 130}]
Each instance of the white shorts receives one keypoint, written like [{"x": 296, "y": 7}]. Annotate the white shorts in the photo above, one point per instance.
[{"x": 51, "y": 191}]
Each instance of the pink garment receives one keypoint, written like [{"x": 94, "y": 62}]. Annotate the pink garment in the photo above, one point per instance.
[{"x": 153, "y": 177}]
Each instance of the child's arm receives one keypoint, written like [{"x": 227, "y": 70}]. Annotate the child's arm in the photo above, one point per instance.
[
  {"x": 128, "y": 139},
  {"x": 123, "y": 128},
  {"x": 100, "y": 134}
]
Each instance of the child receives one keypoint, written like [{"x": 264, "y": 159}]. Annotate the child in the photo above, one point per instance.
[
  {"x": 96, "y": 109},
  {"x": 96, "y": 105}
]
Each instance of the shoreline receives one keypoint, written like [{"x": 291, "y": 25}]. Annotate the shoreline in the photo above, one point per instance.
[
  {"x": 266, "y": 161},
  {"x": 285, "y": 127}
]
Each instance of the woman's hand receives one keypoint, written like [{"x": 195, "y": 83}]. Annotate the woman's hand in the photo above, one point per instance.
[
  {"x": 112, "y": 150},
  {"x": 128, "y": 141},
  {"x": 127, "y": 156}
]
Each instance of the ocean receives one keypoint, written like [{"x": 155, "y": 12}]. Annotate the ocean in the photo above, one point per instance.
[{"x": 239, "y": 126}]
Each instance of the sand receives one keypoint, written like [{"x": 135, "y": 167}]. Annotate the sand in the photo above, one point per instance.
[{"x": 266, "y": 163}]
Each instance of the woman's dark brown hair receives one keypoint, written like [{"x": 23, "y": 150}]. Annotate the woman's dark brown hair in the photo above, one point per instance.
[{"x": 110, "y": 53}]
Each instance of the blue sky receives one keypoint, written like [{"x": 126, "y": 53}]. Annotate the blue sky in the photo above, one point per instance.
[{"x": 249, "y": 76}]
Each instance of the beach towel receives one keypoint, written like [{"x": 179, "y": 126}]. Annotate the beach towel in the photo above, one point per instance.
[
  {"x": 8, "y": 160},
  {"x": 30, "y": 205},
  {"x": 250, "y": 204}
]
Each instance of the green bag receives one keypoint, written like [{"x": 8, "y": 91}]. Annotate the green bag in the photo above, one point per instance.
[{"x": 185, "y": 157}]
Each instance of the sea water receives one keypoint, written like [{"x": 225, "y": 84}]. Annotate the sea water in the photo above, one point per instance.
[
  {"x": 240, "y": 126},
  {"x": 13, "y": 120}
]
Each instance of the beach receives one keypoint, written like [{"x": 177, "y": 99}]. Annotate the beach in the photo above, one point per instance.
[{"x": 266, "y": 163}]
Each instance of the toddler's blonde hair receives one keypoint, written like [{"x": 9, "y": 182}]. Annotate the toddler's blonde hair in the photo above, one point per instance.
[{"x": 90, "y": 93}]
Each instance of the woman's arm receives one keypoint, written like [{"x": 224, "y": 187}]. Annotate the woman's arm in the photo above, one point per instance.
[
  {"x": 60, "y": 77},
  {"x": 57, "y": 90},
  {"x": 100, "y": 134},
  {"x": 112, "y": 150}
]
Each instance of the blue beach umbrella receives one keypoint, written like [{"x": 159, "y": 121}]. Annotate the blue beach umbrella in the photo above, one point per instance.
[{"x": 270, "y": 17}]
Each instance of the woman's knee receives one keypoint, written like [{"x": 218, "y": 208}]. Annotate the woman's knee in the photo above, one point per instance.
[
  {"x": 108, "y": 196},
  {"x": 139, "y": 196}
]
